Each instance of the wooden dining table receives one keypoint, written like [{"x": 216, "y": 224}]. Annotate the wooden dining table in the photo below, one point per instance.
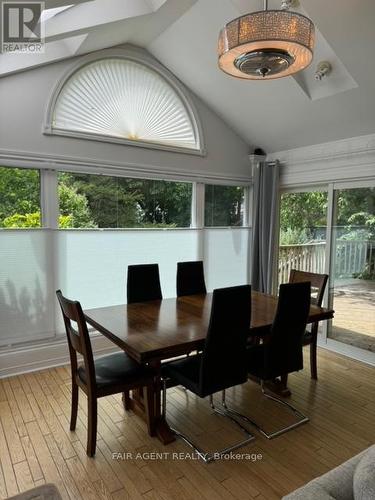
[{"x": 151, "y": 332}]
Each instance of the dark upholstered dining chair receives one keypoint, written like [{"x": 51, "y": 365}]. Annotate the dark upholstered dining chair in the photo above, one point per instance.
[
  {"x": 143, "y": 283},
  {"x": 100, "y": 377},
  {"x": 318, "y": 286},
  {"x": 281, "y": 351},
  {"x": 222, "y": 363},
  {"x": 190, "y": 278}
]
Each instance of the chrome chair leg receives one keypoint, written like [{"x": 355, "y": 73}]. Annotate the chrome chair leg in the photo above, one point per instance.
[
  {"x": 208, "y": 457},
  {"x": 302, "y": 418}
]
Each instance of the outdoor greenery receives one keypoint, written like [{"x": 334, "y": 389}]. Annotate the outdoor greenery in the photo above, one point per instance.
[
  {"x": 99, "y": 201},
  {"x": 303, "y": 219},
  {"x": 20, "y": 201},
  {"x": 223, "y": 205},
  {"x": 125, "y": 203},
  {"x": 300, "y": 215}
]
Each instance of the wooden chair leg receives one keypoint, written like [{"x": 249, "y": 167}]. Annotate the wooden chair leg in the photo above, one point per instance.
[
  {"x": 314, "y": 340},
  {"x": 92, "y": 416},
  {"x": 313, "y": 365},
  {"x": 149, "y": 399},
  {"x": 74, "y": 409},
  {"x": 126, "y": 400}
]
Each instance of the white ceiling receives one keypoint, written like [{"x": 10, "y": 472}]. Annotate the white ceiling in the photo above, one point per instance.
[
  {"x": 277, "y": 115},
  {"x": 182, "y": 34}
]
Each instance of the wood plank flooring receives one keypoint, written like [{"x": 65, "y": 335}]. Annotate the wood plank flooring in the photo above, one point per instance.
[{"x": 36, "y": 445}]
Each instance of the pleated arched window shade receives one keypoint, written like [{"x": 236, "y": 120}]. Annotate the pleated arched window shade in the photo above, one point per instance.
[{"x": 123, "y": 99}]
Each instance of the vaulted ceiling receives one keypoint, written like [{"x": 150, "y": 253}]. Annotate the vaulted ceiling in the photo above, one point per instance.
[{"x": 275, "y": 115}]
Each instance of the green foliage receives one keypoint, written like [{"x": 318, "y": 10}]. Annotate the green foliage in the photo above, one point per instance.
[
  {"x": 355, "y": 206},
  {"x": 294, "y": 237},
  {"x": 20, "y": 201},
  {"x": 223, "y": 205},
  {"x": 74, "y": 209},
  {"x": 167, "y": 204},
  {"x": 22, "y": 221},
  {"x": 90, "y": 201},
  {"x": 19, "y": 195},
  {"x": 303, "y": 211},
  {"x": 121, "y": 202}
]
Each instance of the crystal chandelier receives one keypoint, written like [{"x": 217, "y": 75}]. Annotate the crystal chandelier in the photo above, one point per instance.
[{"x": 266, "y": 44}]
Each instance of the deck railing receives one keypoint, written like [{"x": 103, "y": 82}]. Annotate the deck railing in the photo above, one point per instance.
[{"x": 352, "y": 257}]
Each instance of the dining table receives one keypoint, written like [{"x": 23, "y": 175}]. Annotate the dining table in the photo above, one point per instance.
[{"x": 155, "y": 331}]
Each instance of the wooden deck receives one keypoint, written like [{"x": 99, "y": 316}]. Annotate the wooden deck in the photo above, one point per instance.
[
  {"x": 36, "y": 445},
  {"x": 354, "y": 322}
]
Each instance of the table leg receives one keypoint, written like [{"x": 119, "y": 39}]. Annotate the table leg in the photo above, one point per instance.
[
  {"x": 136, "y": 404},
  {"x": 279, "y": 386},
  {"x": 163, "y": 431}
]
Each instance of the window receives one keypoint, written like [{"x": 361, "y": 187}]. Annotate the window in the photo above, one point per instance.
[
  {"x": 224, "y": 205},
  {"x": 19, "y": 198},
  {"x": 125, "y": 100},
  {"x": 98, "y": 201}
]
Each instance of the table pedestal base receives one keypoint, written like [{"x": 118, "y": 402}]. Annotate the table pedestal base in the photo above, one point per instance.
[{"x": 162, "y": 430}]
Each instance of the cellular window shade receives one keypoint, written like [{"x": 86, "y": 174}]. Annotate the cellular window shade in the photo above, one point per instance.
[
  {"x": 93, "y": 264},
  {"x": 226, "y": 255},
  {"x": 124, "y": 99},
  {"x": 27, "y": 307}
]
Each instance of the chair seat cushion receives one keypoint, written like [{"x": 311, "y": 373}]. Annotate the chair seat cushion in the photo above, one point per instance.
[
  {"x": 116, "y": 369},
  {"x": 184, "y": 372}
]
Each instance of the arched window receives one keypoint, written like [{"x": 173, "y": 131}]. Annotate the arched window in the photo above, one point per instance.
[{"x": 122, "y": 100}]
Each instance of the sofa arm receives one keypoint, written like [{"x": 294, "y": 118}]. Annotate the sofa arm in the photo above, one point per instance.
[
  {"x": 311, "y": 491},
  {"x": 337, "y": 484}
]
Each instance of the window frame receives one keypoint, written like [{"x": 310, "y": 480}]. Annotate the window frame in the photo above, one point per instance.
[{"x": 140, "y": 58}]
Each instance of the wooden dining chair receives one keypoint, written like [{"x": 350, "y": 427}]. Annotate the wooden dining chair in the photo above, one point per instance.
[
  {"x": 100, "y": 377},
  {"x": 143, "y": 283},
  {"x": 190, "y": 278},
  {"x": 318, "y": 286},
  {"x": 222, "y": 363}
]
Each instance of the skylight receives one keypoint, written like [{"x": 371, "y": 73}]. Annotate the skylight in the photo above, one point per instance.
[{"x": 49, "y": 13}]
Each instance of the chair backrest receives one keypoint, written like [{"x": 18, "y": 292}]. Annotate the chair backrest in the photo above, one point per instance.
[
  {"x": 283, "y": 350},
  {"x": 318, "y": 284},
  {"x": 78, "y": 338},
  {"x": 143, "y": 283},
  {"x": 224, "y": 355},
  {"x": 190, "y": 278}
]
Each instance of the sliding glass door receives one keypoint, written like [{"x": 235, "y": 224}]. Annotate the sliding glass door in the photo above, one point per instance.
[
  {"x": 352, "y": 276},
  {"x": 332, "y": 230}
]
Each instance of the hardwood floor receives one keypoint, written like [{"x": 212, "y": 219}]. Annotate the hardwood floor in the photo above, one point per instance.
[{"x": 36, "y": 445}]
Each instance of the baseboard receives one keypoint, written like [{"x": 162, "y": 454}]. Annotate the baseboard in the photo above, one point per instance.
[
  {"x": 349, "y": 351},
  {"x": 30, "y": 359}
]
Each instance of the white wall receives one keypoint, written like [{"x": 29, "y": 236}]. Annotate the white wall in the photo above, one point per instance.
[{"x": 23, "y": 103}]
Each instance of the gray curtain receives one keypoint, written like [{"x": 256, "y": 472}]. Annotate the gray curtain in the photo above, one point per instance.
[{"x": 265, "y": 207}]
